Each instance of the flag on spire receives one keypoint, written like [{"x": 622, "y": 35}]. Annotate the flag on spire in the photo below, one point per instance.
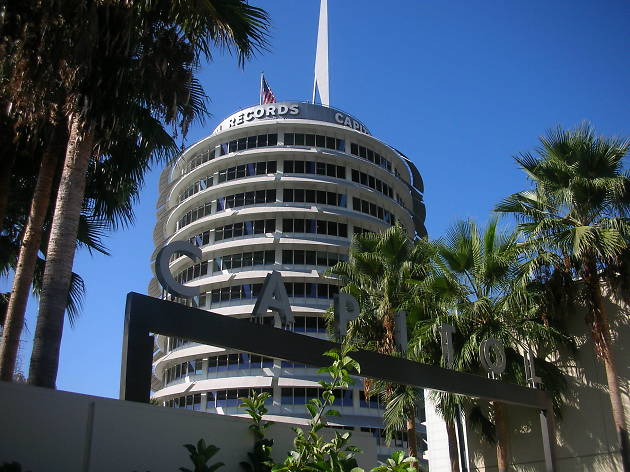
[{"x": 266, "y": 94}]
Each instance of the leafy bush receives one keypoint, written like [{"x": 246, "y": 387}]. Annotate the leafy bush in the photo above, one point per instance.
[
  {"x": 311, "y": 452},
  {"x": 200, "y": 455}
]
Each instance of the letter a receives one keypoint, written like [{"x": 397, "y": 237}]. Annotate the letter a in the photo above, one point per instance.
[{"x": 273, "y": 296}]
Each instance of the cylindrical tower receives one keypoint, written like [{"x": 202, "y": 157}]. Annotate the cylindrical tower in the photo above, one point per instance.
[{"x": 283, "y": 187}]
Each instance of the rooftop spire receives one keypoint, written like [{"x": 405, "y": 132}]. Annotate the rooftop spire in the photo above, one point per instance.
[{"x": 321, "y": 56}]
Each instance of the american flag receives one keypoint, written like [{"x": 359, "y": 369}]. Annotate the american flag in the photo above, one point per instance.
[{"x": 266, "y": 94}]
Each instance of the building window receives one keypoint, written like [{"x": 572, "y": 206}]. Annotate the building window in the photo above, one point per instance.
[
  {"x": 199, "y": 159},
  {"x": 198, "y": 186},
  {"x": 247, "y": 170},
  {"x": 301, "y": 395},
  {"x": 317, "y": 168},
  {"x": 290, "y": 195},
  {"x": 251, "y": 291},
  {"x": 231, "y": 397},
  {"x": 370, "y": 155},
  {"x": 194, "y": 215},
  {"x": 315, "y": 258},
  {"x": 330, "y": 228},
  {"x": 193, "y": 272},
  {"x": 372, "y": 182},
  {"x": 200, "y": 239},
  {"x": 245, "y": 228},
  {"x": 250, "y": 142},
  {"x": 245, "y": 259},
  {"x": 245, "y": 199},
  {"x": 372, "y": 401},
  {"x": 309, "y": 324},
  {"x": 314, "y": 140},
  {"x": 369, "y": 208}
]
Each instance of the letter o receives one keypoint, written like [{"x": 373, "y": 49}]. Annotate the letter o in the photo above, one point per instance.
[
  {"x": 496, "y": 365},
  {"x": 259, "y": 112}
]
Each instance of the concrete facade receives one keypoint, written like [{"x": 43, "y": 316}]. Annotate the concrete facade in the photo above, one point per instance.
[{"x": 54, "y": 431}]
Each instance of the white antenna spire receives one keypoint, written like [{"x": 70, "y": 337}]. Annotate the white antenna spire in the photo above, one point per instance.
[{"x": 321, "y": 56}]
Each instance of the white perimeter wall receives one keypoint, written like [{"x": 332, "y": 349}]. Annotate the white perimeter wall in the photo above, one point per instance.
[{"x": 47, "y": 430}]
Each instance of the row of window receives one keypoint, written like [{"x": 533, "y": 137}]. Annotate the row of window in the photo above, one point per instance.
[
  {"x": 289, "y": 225},
  {"x": 195, "y": 214},
  {"x": 370, "y": 155},
  {"x": 199, "y": 159},
  {"x": 237, "y": 361},
  {"x": 322, "y": 197},
  {"x": 242, "y": 360},
  {"x": 359, "y": 230},
  {"x": 305, "y": 257},
  {"x": 399, "y": 438},
  {"x": 246, "y": 259},
  {"x": 250, "y": 142},
  {"x": 174, "y": 343},
  {"x": 294, "y": 289},
  {"x": 290, "y": 139},
  {"x": 231, "y": 397},
  {"x": 189, "y": 402},
  {"x": 302, "y": 395},
  {"x": 288, "y": 195},
  {"x": 316, "y": 140},
  {"x": 198, "y": 186},
  {"x": 290, "y": 396},
  {"x": 247, "y": 170},
  {"x": 246, "y": 198},
  {"x": 244, "y": 228},
  {"x": 196, "y": 270},
  {"x": 312, "y": 167},
  {"x": 290, "y": 167},
  {"x": 259, "y": 258},
  {"x": 231, "y": 173},
  {"x": 372, "y": 182},
  {"x": 192, "y": 367},
  {"x": 329, "y": 228},
  {"x": 227, "y": 262},
  {"x": 372, "y": 209}
]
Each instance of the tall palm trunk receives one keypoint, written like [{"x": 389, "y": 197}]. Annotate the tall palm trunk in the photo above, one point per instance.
[
  {"x": 453, "y": 449},
  {"x": 31, "y": 242},
  {"x": 60, "y": 256},
  {"x": 600, "y": 332},
  {"x": 500, "y": 422},
  {"x": 412, "y": 437}
]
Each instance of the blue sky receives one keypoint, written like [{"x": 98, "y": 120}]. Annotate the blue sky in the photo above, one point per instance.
[{"x": 458, "y": 86}]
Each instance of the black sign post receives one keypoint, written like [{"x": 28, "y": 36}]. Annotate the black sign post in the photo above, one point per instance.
[{"x": 147, "y": 315}]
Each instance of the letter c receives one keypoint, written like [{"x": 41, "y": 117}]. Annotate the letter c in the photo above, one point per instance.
[
  {"x": 163, "y": 273},
  {"x": 339, "y": 118}
]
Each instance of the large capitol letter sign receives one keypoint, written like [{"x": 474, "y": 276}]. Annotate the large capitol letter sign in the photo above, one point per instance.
[{"x": 146, "y": 316}]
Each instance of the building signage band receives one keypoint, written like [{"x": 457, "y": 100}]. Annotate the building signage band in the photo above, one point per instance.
[{"x": 288, "y": 110}]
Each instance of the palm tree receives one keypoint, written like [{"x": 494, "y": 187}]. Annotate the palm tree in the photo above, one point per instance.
[
  {"x": 378, "y": 274},
  {"x": 119, "y": 53},
  {"x": 491, "y": 300},
  {"x": 112, "y": 185},
  {"x": 577, "y": 211}
]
